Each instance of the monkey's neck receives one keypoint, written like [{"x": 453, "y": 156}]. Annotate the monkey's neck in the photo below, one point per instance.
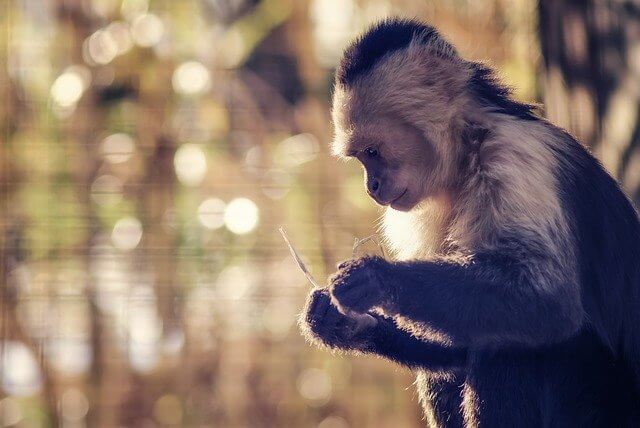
[{"x": 419, "y": 233}]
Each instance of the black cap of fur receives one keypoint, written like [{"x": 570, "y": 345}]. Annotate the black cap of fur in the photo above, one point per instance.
[
  {"x": 491, "y": 93},
  {"x": 394, "y": 34},
  {"x": 380, "y": 40}
]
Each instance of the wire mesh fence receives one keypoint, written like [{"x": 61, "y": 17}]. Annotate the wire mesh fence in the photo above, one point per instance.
[{"x": 150, "y": 150}]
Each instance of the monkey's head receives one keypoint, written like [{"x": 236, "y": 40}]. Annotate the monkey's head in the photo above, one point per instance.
[{"x": 404, "y": 104}]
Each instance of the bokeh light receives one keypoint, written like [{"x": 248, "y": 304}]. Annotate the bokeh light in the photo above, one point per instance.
[
  {"x": 144, "y": 325},
  {"x": 117, "y": 148},
  {"x": 190, "y": 164},
  {"x": 121, "y": 35},
  {"x": 241, "y": 216},
  {"x": 70, "y": 356},
  {"x": 331, "y": 30},
  {"x": 69, "y": 86},
  {"x": 191, "y": 78},
  {"x": 10, "y": 412},
  {"x": 211, "y": 213},
  {"x": 333, "y": 421},
  {"x": 131, "y": 9},
  {"x": 143, "y": 357},
  {"x": 147, "y": 30},
  {"x": 315, "y": 385},
  {"x": 106, "y": 190},
  {"x": 74, "y": 405},
  {"x": 235, "y": 281},
  {"x": 279, "y": 317},
  {"x": 276, "y": 183},
  {"x": 144, "y": 329},
  {"x": 21, "y": 374},
  {"x": 102, "y": 47},
  {"x": 297, "y": 150},
  {"x": 127, "y": 233}
]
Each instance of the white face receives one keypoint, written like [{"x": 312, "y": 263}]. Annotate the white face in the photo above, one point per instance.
[{"x": 398, "y": 161}]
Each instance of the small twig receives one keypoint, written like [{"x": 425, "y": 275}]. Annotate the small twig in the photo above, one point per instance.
[
  {"x": 363, "y": 320},
  {"x": 373, "y": 238},
  {"x": 297, "y": 259}
]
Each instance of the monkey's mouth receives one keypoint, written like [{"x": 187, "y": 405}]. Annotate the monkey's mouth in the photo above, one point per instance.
[{"x": 399, "y": 197}]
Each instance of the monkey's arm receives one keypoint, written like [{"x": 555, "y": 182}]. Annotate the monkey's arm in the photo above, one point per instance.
[
  {"x": 493, "y": 298},
  {"x": 324, "y": 325},
  {"x": 400, "y": 346}
]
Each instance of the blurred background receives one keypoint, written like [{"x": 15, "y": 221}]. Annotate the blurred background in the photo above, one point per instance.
[{"x": 149, "y": 149}]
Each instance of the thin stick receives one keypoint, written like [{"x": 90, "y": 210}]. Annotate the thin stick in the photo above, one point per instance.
[
  {"x": 372, "y": 238},
  {"x": 298, "y": 259},
  {"x": 363, "y": 320}
]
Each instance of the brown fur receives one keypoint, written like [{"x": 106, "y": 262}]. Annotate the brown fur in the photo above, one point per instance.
[
  {"x": 517, "y": 249},
  {"x": 471, "y": 193}
]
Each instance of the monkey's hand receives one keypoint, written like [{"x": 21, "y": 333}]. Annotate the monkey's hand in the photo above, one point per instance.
[
  {"x": 359, "y": 286},
  {"x": 323, "y": 324}
]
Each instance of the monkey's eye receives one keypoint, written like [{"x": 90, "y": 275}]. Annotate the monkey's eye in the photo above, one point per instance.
[{"x": 372, "y": 152}]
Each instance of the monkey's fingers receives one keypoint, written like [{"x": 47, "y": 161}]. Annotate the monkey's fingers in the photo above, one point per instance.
[
  {"x": 331, "y": 324},
  {"x": 318, "y": 304},
  {"x": 344, "y": 264},
  {"x": 362, "y": 322},
  {"x": 357, "y": 296}
]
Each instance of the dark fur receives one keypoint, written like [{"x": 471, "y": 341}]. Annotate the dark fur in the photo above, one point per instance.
[
  {"x": 493, "y": 94},
  {"x": 519, "y": 354},
  {"x": 381, "y": 40}
]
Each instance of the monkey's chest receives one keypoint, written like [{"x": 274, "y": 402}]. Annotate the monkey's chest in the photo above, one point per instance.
[{"x": 418, "y": 235}]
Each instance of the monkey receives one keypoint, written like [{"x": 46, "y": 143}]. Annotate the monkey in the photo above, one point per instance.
[{"x": 514, "y": 293}]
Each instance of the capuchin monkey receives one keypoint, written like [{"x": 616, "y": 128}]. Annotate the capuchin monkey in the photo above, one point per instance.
[{"x": 516, "y": 294}]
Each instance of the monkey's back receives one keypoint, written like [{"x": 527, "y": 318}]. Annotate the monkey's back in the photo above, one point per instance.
[
  {"x": 592, "y": 378},
  {"x": 607, "y": 238}
]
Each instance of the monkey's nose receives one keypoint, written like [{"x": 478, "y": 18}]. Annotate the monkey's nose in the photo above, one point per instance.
[{"x": 373, "y": 185}]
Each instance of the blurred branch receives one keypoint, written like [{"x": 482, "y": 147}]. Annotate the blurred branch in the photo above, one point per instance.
[
  {"x": 10, "y": 326},
  {"x": 255, "y": 26},
  {"x": 87, "y": 119},
  {"x": 592, "y": 82}
]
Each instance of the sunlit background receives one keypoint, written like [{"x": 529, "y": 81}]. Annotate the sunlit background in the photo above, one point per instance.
[{"x": 151, "y": 148}]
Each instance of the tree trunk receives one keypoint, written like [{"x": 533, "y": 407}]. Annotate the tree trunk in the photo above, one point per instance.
[{"x": 590, "y": 50}]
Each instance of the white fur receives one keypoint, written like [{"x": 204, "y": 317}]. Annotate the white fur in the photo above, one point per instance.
[
  {"x": 509, "y": 188},
  {"x": 419, "y": 233},
  {"x": 511, "y": 191}
]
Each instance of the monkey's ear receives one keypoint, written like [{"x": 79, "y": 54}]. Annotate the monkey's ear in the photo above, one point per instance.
[{"x": 474, "y": 134}]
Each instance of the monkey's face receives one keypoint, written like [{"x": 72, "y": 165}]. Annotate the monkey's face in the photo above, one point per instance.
[
  {"x": 397, "y": 104},
  {"x": 398, "y": 122},
  {"x": 398, "y": 163}
]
